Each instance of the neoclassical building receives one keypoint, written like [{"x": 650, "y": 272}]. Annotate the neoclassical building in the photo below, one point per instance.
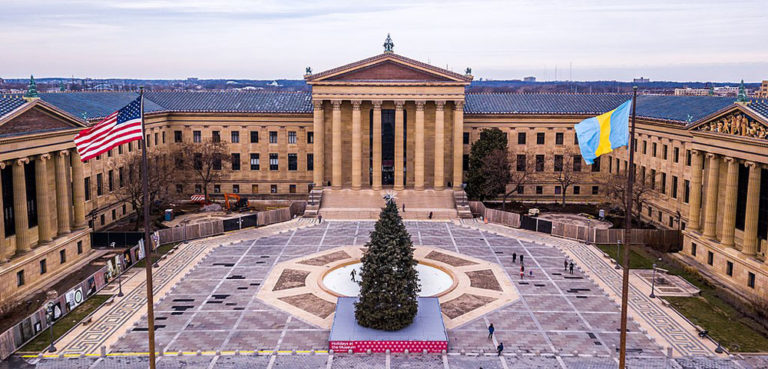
[{"x": 387, "y": 123}]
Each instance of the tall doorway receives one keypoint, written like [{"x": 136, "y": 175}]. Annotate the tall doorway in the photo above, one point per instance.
[{"x": 387, "y": 146}]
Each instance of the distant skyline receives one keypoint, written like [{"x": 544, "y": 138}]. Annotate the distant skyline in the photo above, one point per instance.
[{"x": 675, "y": 40}]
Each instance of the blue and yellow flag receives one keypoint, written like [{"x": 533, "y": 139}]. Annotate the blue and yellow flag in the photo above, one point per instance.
[{"x": 601, "y": 134}]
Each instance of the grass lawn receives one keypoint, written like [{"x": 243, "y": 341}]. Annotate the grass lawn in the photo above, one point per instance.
[
  {"x": 64, "y": 324},
  {"x": 732, "y": 329},
  {"x": 162, "y": 250}
]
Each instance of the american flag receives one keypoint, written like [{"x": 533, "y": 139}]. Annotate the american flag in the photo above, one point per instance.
[{"x": 118, "y": 128}]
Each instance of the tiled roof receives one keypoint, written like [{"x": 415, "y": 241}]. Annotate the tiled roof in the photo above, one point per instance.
[
  {"x": 676, "y": 108},
  {"x": 238, "y": 102},
  {"x": 95, "y": 104},
  {"x": 9, "y": 103},
  {"x": 760, "y": 107}
]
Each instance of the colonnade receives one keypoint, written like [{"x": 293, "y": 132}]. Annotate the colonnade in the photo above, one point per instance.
[
  {"x": 337, "y": 178},
  {"x": 51, "y": 223}
]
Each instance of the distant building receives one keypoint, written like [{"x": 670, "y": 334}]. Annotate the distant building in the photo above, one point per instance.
[
  {"x": 761, "y": 93},
  {"x": 691, "y": 91},
  {"x": 529, "y": 79},
  {"x": 641, "y": 80}
]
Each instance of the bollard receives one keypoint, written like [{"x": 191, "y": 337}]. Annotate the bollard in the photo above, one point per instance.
[
  {"x": 349, "y": 351},
  {"x": 330, "y": 352},
  {"x": 575, "y": 352},
  {"x": 237, "y": 352},
  {"x": 179, "y": 353},
  {"x": 406, "y": 351},
  {"x": 103, "y": 351},
  {"x": 443, "y": 352},
  {"x": 368, "y": 351},
  {"x": 424, "y": 351},
  {"x": 388, "y": 352},
  {"x": 160, "y": 353},
  {"x": 199, "y": 353},
  {"x": 669, "y": 351},
  {"x": 218, "y": 353}
]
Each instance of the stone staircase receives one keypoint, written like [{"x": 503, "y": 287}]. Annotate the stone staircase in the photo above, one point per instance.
[
  {"x": 367, "y": 204},
  {"x": 462, "y": 205},
  {"x": 313, "y": 203}
]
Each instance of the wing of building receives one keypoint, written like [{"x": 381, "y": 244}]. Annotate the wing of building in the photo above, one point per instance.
[{"x": 386, "y": 122}]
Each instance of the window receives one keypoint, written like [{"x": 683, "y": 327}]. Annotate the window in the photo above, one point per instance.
[
  {"x": 693, "y": 249},
  {"x": 558, "y": 138},
  {"x": 521, "y": 163},
  {"x": 310, "y": 137},
  {"x": 653, "y": 150},
  {"x": 596, "y": 164},
  {"x": 664, "y": 152},
  {"x": 273, "y": 163},
  {"x": 114, "y": 214},
  {"x": 254, "y": 136},
  {"x": 19, "y": 278},
  {"x": 197, "y": 161},
  {"x": 465, "y": 162},
  {"x": 102, "y": 219},
  {"x": 595, "y": 190},
  {"x": 558, "y": 163},
  {"x": 610, "y": 166},
  {"x": 216, "y": 188},
  {"x": 577, "y": 163},
  {"x": 710, "y": 258},
  {"x": 120, "y": 149},
  {"x": 216, "y": 162},
  {"x": 235, "y": 188},
  {"x": 729, "y": 268},
  {"x": 659, "y": 215},
  {"x": 750, "y": 280},
  {"x": 43, "y": 266},
  {"x": 156, "y": 141},
  {"x": 62, "y": 256},
  {"x": 109, "y": 153},
  {"x": 255, "y": 165},
  {"x": 465, "y": 138},
  {"x": 120, "y": 181},
  {"x": 215, "y": 136},
  {"x": 198, "y": 188},
  {"x": 558, "y": 190},
  {"x": 653, "y": 179},
  {"x": 688, "y": 158},
  {"x": 292, "y": 188},
  {"x": 676, "y": 154},
  {"x": 576, "y": 190},
  {"x": 575, "y": 139},
  {"x": 130, "y": 146},
  {"x": 540, "y": 138},
  {"x": 310, "y": 161},
  {"x": 539, "y": 163},
  {"x": 254, "y": 188},
  {"x": 520, "y": 190},
  {"x": 273, "y": 137},
  {"x": 292, "y": 137},
  {"x": 111, "y": 180},
  {"x": 521, "y": 138},
  {"x": 293, "y": 162},
  {"x": 235, "y": 136},
  {"x": 674, "y": 187},
  {"x": 87, "y": 182},
  {"x": 179, "y": 188},
  {"x": 664, "y": 183},
  {"x": 163, "y": 136},
  {"x": 123, "y": 210},
  {"x": 645, "y": 147},
  {"x": 273, "y": 189},
  {"x": 235, "y": 161},
  {"x": 99, "y": 184},
  {"x": 197, "y": 137},
  {"x": 539, "y": 190}
]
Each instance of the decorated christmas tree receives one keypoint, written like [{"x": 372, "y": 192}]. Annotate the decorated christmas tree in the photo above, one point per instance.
[{"x": 389, "y": 286}]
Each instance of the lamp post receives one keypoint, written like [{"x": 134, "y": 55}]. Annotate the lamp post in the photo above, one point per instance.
[
  {"x": 185, "y": 222},
  {"x": 653, "y": 282},
  {"x": 119, "y": 276},
  {"x": 617, "y": 255},
  {"x": 618, "y": 252},
  {"x": 49, "y": 317}
]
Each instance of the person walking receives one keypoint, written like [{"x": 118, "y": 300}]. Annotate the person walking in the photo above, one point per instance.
[
  {"x": 522, "y": 271},
  {"x": 319, "y": 219},
  {"x": 521, "y": 258},
  {"x": 514, "y": 257},
  {"x": 403, "y": 207},
  {"x": 570, "y": 267},
  {"x": 500, "y": 348},
  {"x": 565, "y": 264},
  {"x": 430, "y": 215},
  {"x": 490, "y": 331}
]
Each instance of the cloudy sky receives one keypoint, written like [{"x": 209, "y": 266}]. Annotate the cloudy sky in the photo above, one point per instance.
[{"x": 681, "y": 40}]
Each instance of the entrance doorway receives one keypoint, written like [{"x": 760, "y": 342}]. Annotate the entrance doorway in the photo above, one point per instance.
[{"x": 387, "y": 146}]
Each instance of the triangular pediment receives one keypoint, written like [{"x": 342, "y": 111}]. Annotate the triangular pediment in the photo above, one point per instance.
[
  {"x": 736, "y": 120},
  {"x": 388, "y": 67},
  {"x": 37, "y": 117}
]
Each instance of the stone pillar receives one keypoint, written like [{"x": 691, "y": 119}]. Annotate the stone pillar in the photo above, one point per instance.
[
  {"x": 62, "y": 193},
  {"x": 3, "y": 244},
  {"x": 357, "y": 165},
  {"x": 749, "y": 244},
  {"x": 376, "y": 133},
  {"x": 729, "y": 211},
  {"x": 439, "y": 145},
  {"x": 44, "y": 224},
  {"x": 458, "y": 143},
  {"x": 20, "y": 206},
  {"x": 336, "y": 119},
  {"x": 78, "y": 190},
  {"x": 419, "y": 143},
  {"x": 694, "y": 203},
  {"x": 710, "y": 215},
  {"x": 318, "y": 147},
  {"x": 399, "y": 145}
]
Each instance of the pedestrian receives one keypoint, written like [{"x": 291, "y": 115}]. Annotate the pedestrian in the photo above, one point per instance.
[
  {"x": 521, "y": 258},
  {"x": 403, "y": 207},
  {"x": 530, "y": 273},
  {"x": 565, "y": 264},
  {"x": 514, "y": 257},
  {"x": 319, "y": 219},
  {"x": 490, "y": 331},
  {"x": 522, "y": 272},
  {"x": 570, "y": 267},
  {"x": 430, "y": 215},
  {"x": 500, "y": 348}
]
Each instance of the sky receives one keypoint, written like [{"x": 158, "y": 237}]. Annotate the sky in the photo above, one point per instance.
[{"x": 676, "y": 40}]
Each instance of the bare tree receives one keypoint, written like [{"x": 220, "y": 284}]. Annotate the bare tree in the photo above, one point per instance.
[
  {"x": 565, "y": 171},
  {"x": 204, "y": 160},
  {"x": 129, "y": 187},
  {"x": 521, "y": 175},
  {"x": 616, "y": 188}
]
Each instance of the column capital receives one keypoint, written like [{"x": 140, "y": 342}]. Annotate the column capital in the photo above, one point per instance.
[
  {"x": 376, "y": 104},
  {"x": 45, "y": 156},
  {"x": 729, "y": 159},
  {"x": 21, "y": 161},
  {"x": 317, "y": 104},
  {"x": 63, "y": 153},
  {"x": 440, "y": 104},
  {"x": 695, "y": 152},
  {"x": 459, "y": 104},
  {"x": 399, "y": 104},
  {"x": 336, "y": 104},
  {"x": 420, "y": 105},
  {"x": 356, "y": 104},
  {"x": 2, "y": 165},
  {"x": 751, "y": 164},
  {"x": 711, "y": 155}
]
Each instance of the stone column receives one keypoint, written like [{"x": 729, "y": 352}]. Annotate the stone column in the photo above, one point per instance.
[
  {"x": 3, "y": 244},
  {"x": 376, "y": 133},
  {"x": 458, "y": 143},
  {"x": 694, "y": 203},
  {"x": 710, "y": 215},
  {"x": 439, "y": 145},
  {"x": 20, "y": 206},
  {"x": 399, "y": 145},
  {"x": 357, "y": 165},
  {"x": 44, "y": 224},
  {"x": 419, "y": 143},
  {"x": 62, "y": 193},
  {"x": 749, "y": 244},
  {"x": 318, "y": 147},
  {"x": 729, "y": 211},
  {"x": 336, "y": 119},
  {"x": 78, "y": 190}
]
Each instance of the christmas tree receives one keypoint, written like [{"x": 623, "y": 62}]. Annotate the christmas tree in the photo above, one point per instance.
[{"x": 389, "y": 286}]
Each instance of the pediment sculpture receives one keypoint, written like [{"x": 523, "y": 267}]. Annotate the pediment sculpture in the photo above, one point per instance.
[{"x": 738, "y": 124}]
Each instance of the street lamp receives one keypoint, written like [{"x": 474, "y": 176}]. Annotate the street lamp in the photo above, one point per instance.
[
  {"x": 49, "y": 317},
  {"x": 119, "y": 276},
  {"x": 618, "y": 252},
  {"x": 653, "y": 282},
  {"x": 588, "y": 234}
]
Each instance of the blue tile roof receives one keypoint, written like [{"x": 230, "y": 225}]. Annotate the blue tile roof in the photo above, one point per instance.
[
  {"x": 237, "y": 102},
  {"x": 9, "y": 103},
  {"x": 760, "y": 107},
  {"x": 95, "y": 104},
  {"x": 686, "y": 109}
]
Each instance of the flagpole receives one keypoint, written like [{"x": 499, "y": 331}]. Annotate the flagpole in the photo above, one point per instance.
[
  {"x": 627, "y": 240},
  {"x": 147, "y": 239}
]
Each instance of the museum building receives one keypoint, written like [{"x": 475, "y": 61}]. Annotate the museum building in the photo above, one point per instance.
[{"x": 385, "y": 123}]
